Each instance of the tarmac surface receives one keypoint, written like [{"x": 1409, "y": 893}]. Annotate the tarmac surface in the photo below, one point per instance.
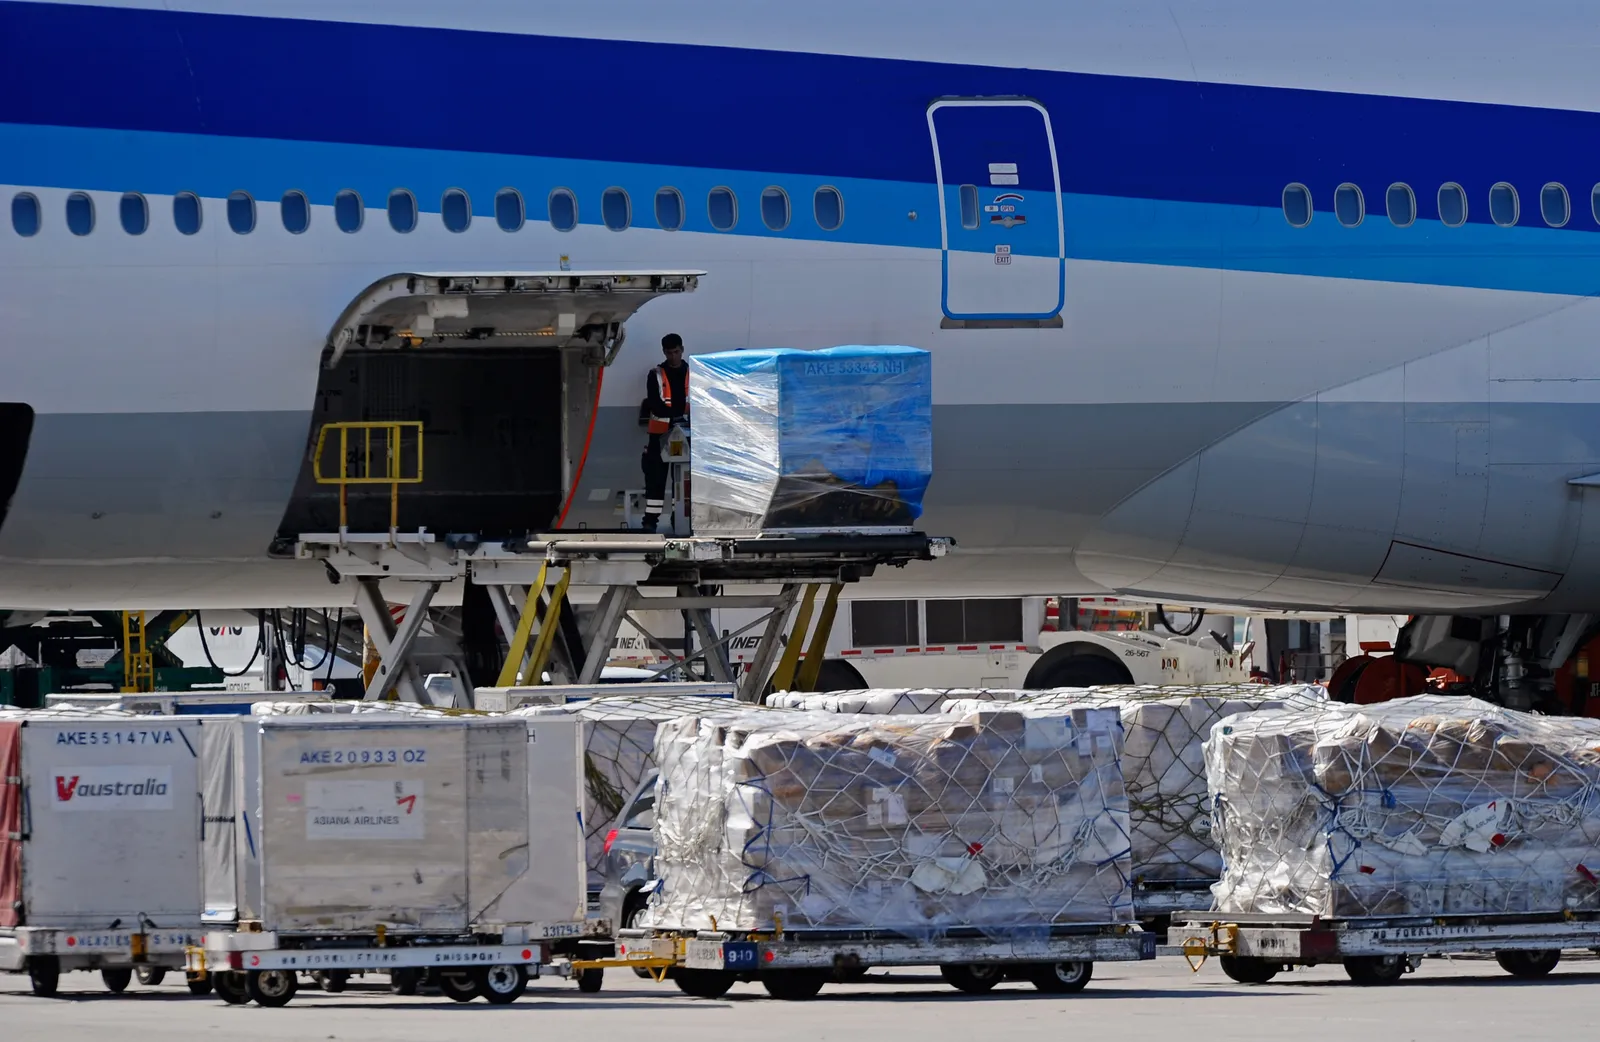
[{"x": 1454, "y": 1000}]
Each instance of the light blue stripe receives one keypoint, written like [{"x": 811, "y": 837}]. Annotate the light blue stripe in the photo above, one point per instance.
[{"x": 1099, "y": 228}]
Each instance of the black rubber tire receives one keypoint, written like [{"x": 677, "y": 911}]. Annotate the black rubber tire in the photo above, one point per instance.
[
  {"x": 459, "y": 985},
  {"x": 853, "y": 975},
  {"x": 793, "y": 985},
  {"x": 116, "y": 978},
  {"x": 1529, "y": 965},
  {"x": 198, "y": 985},
  {"x": 405, "y": 981},
  {"x": 501, "y": 984},
  {"x": 703, "y": 984},
  {"x": 332, "y": 981},
  {"x": 591, "y": 981},
  {"x": 44, "y": 976},
  {"x": 1249, "y": 970},
  {"x": 1083, "y": 671},
  {"x": 972, "y": 978},
  {"x": 150, "y": 976},
  {"x": 1375, "y": 969},
  {"x": 230, "y": 987},
  {"x": 271, "y": 988},
  {"x": 1062, "y": 978}
]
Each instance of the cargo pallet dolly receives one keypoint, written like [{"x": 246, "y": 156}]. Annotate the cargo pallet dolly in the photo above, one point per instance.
[
  {"x": 1253, "y": 949},
  {"x": 119, "y": 954},
  {"x": 263, "y": 967},
  {"x": 537, "y": 573},
  {"x": 795, "y": 964}
]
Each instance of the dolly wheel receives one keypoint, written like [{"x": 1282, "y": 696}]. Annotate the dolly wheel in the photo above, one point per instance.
[
  {"x": 1248, "y": 970},
  {"x": 1375, "y": 969},
  {"x": 44, "y": 976},
  {"x": 974, "y": 978},
  {"x": 1062, "y": 978},
  {"x": 1529, "y": 965},
  {"x": 271, "y": 987}
]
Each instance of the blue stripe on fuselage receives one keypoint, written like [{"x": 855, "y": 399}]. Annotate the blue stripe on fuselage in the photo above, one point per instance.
[
  {"x": 809, "y": 115},
  {"x": 1099, "y": 227}
]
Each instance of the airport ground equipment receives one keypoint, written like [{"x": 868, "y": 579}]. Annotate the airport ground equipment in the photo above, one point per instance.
[
  {"x": 1253, "y": 949},
  {"x": 350, "y": 843},
  {"x": 796, "y": 964},
  {"x": 100, "y": 833}
]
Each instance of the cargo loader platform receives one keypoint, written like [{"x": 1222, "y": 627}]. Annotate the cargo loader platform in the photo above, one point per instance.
[
  {"x": 1254, "y": 948},
  {"x": 528, "y": 580}
]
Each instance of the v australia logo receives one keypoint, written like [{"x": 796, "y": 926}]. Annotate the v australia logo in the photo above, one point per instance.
[{"x": 65, "y": 787}]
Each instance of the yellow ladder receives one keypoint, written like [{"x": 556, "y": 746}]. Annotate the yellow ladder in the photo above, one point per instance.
[
  {"x": 138, "y": 663},
  {"x": 546, "y": 626}
]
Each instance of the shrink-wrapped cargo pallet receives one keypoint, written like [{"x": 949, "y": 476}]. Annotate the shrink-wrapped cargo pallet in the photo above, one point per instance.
[
  {"x": 790, "y": 441},
  {"x": 1426, "y": 806},
  {"x": 619, "y": 750},
  {"x": 911, "y": 825},
  {"x": 1162, "y": 764}
]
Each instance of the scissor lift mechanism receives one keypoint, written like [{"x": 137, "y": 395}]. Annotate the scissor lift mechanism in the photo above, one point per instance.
[{"x": 528, "y": 582}]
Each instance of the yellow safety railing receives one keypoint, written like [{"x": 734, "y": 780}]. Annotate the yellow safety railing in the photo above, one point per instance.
[{"x": 371, "y": 452}]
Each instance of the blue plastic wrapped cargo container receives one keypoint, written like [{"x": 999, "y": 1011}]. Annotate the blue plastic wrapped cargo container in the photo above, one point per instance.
[{"x": 837, "y": 440}]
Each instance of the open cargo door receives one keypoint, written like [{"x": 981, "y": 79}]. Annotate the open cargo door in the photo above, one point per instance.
[
  {"x": 499, "y": 368},
  {"x": 10, "y": 822}
]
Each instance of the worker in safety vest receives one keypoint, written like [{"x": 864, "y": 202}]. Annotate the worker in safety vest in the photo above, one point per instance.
[{"x": 666, "y": 403}]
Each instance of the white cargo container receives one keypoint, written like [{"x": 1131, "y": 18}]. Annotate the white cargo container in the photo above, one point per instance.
[
  {"x": 381, "y": 841},
  {"x": 100, "y": 823}
]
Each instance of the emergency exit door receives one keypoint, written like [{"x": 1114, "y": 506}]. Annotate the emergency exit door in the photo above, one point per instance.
[{"x": 1001, "y": 229}]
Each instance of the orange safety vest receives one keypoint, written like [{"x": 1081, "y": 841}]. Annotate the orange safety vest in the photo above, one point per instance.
[{"x": 658, "y": 425}]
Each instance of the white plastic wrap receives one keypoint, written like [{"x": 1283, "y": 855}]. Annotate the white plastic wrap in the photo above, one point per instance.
[
  {"x": 619, "y": 750},
  {"x": 910, "y": 825},
  {"x": 1162, "y": 763},
  {"x": 1434, "y": 805},
  {"x": 786, "y": 440}
]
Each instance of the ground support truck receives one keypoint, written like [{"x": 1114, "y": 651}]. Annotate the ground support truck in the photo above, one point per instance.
[
  {"x": 445, "y": 850},
  {"x": 1255, "y": 948},
  {"x": 795, "y": 964}
]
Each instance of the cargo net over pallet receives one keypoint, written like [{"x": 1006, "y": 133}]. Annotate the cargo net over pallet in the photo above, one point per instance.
[
  {"x": 911, "y": 825},
  {"x": 1420, "y": 807},
  {"x": 619, "y": 751},
  {"x": 1162, "y": 763}
]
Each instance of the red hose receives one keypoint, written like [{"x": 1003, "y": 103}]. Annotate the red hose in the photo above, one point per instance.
[{"x": 594, "y": 411}]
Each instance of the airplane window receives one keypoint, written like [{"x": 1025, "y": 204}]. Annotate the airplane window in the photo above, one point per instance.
[
  {"x": 25, "y": 214},
  {"x": 1297, "y": 205},
  {"x": 775, "y": 208},
  {"x": 1452, "y": 205},
  {"x": 616, "y": 209},
  {"x": 827, "y": 205},
  {"x": 295, "y": 210},
  {"x": 80, "y": 214},
  {"x": 509, "y": 212},
  {"x": 241, "y": 212},
  {"x": 1555, "y": 205},
  {"x": 563, "y": 210},
  {"x": 723, "y": 207},
  {"x": 1349, "y": 205},
  {"x": 402, "y": 210},
  {"x": 669, "y": 209},
  {"x": 969, "y": 206},
  {"x": 1504, "y": 207},
  {"x": 1402, "y": 205},
  {"x": 135, "y": 213},
  {"x": 348, "y": 213},
  {"x": 186, "y": 212},
  {"x": 456, "y": 209}
]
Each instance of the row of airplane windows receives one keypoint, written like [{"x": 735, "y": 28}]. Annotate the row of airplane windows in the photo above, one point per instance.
[
  {"x": 1505, "y": 206},
  {"x": 455, "y": 209}
]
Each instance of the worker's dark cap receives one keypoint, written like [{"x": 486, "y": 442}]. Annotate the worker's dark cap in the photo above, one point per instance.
[{"x": 670, "y": 341}]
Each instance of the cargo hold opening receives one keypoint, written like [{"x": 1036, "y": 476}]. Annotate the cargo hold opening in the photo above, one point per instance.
[{"x": 498, "y": 368}]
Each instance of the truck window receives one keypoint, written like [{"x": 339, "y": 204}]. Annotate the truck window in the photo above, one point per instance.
[
  {"x": 976, "y": 621},
  {"x": 884, "y": 624}
]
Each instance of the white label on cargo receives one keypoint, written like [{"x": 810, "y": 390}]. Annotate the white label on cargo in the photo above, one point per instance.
[
  {"x": 883, "y": 756},
  {"x": 874, "y": 814},
  {"x": 364, "y": 810},
  {"x": 895, "y": 809},
  {"x": 1003, "y": 786},
  {"x": 1046, "y": 732},
  {"x": 112, "y": 788},
  {"x": 1475, "y": 829},
  {"x": 1036, "y": 772}
]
